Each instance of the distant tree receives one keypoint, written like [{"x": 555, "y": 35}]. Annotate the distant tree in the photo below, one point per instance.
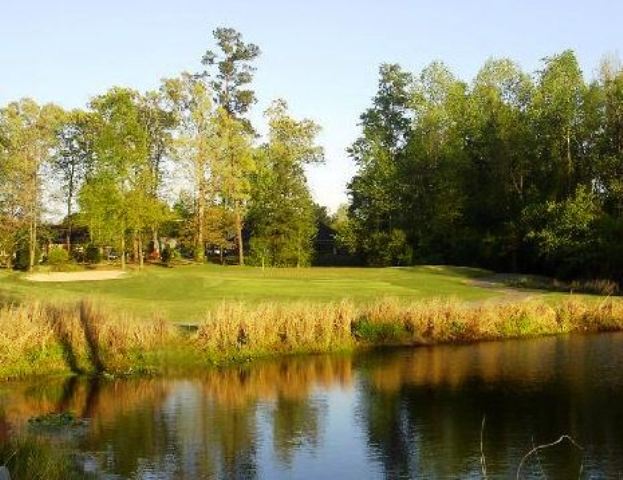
[
  {"x": 282, "y": 216},
  {"x": 27, "y": 134},
  {"x": 233, "y": 163},
  {"x": 193, "y": 144},
  {"x": 122, "y": 167},
  {"x": 500, "y": 149},
  {"x": 160, "y": 120},
  {"x": 72, "y": 159},
  {"x": 344, "y": 232},
  {"x": 564, "y": 232},
  {"x": 375, "y": 189},
  {"x": 229, "y": 71},
  {"x": 557, "y": 111}
]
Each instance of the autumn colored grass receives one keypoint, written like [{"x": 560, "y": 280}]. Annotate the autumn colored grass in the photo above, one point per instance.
[{"x": 89, "y": 339}]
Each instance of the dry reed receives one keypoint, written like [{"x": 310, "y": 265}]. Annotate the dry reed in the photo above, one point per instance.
[{"x": 85, "y": 338}]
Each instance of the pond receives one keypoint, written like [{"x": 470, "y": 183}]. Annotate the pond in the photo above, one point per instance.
[{"x": 403, "y": 413}]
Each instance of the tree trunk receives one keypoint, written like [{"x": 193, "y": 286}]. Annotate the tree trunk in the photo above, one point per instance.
[
  {"x": 9, "y": 261},
  {"x": 239, "y": 238},
  {"x": 122, "y": 249},
  {"x": 140, "y": 251},
  {"x": 135, "y": 246},
  {"x": 69, "y": 226},
  {"x": 32, "y": 250},
  {"x": 569, "y": 162},
  {"x": 33, "y": 224},
  {"x": 70, "y": 196},
  {"x": 200, "y": 247},
  {"x": 156, "y": 241}
]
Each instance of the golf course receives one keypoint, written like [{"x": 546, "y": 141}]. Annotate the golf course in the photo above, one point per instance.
[{"x": 184, "y": 294}]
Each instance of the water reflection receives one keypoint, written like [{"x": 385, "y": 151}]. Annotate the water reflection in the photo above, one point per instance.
[{"x": 400, "y": 414}]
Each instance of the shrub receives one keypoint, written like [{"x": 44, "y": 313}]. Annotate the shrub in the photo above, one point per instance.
[
  {"x": 22, "y": 257},
  {"x": 93, "y": 254},
  {"x": 57, "y": 258},
  {"x": 166, "y": 255}
]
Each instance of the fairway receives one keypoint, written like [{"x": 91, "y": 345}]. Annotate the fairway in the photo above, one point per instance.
[{"x": 184, "y": 293}]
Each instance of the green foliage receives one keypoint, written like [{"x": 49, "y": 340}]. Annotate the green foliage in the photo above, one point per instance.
[
  {"x": 93, "y": 254},
  {"x": 512, "y": 171},
  {"x": 120, "y": 193},
  {"x": 386, "y": 249},
  {"x": 27, "y": 138},
  {"x": 378, "y": 333},
  {"x": 282, "y": 215},
  {"x": 230, "y": 70},
  {"x": 167, "y": 255},
  {"x": 22, "y": 256},
  {"x": 57, "y": 258}
]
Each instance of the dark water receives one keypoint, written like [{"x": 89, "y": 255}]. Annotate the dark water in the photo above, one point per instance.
[{"x": 401, "y": 414}]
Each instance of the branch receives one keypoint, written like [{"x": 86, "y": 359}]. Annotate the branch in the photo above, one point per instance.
[{"x": 544, "y": 446}]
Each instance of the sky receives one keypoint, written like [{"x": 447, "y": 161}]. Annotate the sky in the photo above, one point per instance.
[{"x": 322, "y": 56}]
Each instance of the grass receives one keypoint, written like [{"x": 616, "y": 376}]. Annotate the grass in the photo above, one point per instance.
[
  {"x": 184, "y": 294},
  {"x": 38, "y": 459},
  {"x": 128, "y": 326},
  {"x": 40, "y": 339}
]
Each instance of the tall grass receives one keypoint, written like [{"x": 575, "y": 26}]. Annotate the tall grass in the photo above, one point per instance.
[
  {"x": 276, "y": 328},
  {"x": 85, "y": 338},
  {"x": 38, "y": 338},
  {"x": 35, "y": 459}
]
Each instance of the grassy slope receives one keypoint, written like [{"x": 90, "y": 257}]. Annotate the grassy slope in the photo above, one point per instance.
[{"x": 185, "y": 293}]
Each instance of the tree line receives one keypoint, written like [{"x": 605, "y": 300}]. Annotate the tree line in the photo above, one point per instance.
[
  {"x": 116, "y": 160},
  {"x": 512, "y": 171}
]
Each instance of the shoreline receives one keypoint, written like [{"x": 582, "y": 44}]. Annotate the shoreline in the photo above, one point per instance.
[{"x": 87, "y": 339}]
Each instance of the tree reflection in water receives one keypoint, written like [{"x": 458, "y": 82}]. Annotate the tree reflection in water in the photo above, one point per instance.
[{"x": 409, "y": 413}]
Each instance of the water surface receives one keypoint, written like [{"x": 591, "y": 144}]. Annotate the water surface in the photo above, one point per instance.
[{"x": 409, "y": 413}]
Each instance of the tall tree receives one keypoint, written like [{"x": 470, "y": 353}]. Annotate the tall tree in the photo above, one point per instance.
[
  {"x": 159, "y": 119},
  {"x": 229, "y": 72},
  {"x": 375, "y": 189},
  {"x": 72, "y": 160},
  {"x": 557, "y": 113},
  {"x": 282, "y": 217},
  {"x": 121, "y": 148},
  {"x": 500, "y": 149},
  {"x": 28, "y": 139},
  {"x": 232, "y": 166},
  {"x": 193, "y": 143}
]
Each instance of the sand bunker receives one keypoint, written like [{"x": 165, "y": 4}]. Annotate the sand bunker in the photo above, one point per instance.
[{"x": 86, "y": 276}]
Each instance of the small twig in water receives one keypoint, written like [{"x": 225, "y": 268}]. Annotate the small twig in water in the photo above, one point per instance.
[
  {"x": 483, "y": 461},
  {"x": 544, "y": 446}
]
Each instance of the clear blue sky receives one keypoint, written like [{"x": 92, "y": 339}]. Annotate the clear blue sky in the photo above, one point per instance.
[{"x": 321, "y": 56}]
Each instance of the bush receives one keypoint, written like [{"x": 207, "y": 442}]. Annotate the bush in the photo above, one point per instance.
[
  {"x": 22, "y": 257},
  {"x": 58, "y": 257},
  {"x": 166, "y": 255},
  {"x": 92, "y": 254}
]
